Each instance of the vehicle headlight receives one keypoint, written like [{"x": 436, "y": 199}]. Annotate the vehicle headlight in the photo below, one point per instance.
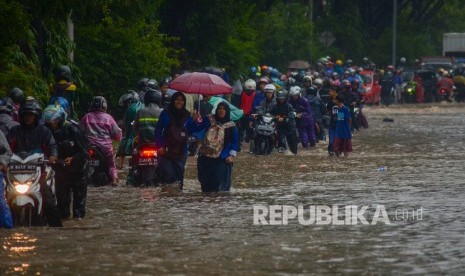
[
  {"x": 409, "y": 90},
  {"x": 22, "y": 188}
]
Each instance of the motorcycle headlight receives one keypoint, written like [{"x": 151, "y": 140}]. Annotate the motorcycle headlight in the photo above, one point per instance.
[
  {"x": 22, "y": 188},
  {"x": 409, "y": 90}
]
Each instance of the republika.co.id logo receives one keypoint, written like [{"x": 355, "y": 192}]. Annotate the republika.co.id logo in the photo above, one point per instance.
[{"x": 330, "y": 215}]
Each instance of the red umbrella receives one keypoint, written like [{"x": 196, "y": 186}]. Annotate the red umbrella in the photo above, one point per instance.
[{"x": 200, "y": 83}]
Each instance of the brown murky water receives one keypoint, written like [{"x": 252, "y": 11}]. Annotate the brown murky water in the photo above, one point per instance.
[{"x": 142, "y": 231}]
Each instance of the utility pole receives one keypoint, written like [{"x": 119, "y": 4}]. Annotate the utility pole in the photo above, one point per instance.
[
  {"x": 310, "y": 5},
  {"x": 394, "y": 32}
]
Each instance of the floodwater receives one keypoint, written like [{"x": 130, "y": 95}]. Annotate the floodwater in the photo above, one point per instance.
[{"x": 132, "y": 231}]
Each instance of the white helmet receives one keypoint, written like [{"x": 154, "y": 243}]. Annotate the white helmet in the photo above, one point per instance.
[
  {"x": 295, "y": 90},
  {"x": 270, "y": 87},
  {"x": 250, "y": 85},
  {"x": 318, "y": 81},
  {"x": 307, "y": 78},
  {"x": 403, "y": 59}
]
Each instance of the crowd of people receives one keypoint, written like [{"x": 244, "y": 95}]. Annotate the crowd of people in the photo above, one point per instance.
[{"x": 213, "y": 128}]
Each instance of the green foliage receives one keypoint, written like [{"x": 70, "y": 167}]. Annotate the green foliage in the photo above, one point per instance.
[
  {"x": 120, "y": 41},
  {"x": 113, "y": 55},
  {"x": 285, "y": 34}
]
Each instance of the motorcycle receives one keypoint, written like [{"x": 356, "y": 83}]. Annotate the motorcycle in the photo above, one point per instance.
[
  {"x": 264, "y": 135},
  {"x": 144, "y": 164},
  {"x": 97, "y": 173},
  {"x": 444, "y": 94},
  {"x": 409, "y": 92},
  {"x": 26, "y": 173}
]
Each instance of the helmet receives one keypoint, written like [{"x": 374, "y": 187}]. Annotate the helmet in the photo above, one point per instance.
[
  {"x": 295, "y": 90},
  {"x": 164, "y": 82},
  {"x": 345, "y": 82},
  {"x": 17, "y": 95},
  {"x": 339, "y": 62},
  {"x": 281, "y": 94},
  {"x": 31, "y": 106},
  {"x": 351, "y": 70},
  {"x": 60, "y": 101},
  {"x": 349, "y": 61},
  {"x": 142, "y": 83},
  {"x": 152, "y": 96},
  {"x": 307, "y": 78},
  {"x": 253, "y": 69},
  {"x": 318, "y": 81},
  {"x": 355, "y": 82},
  {"x": 403, "y": 60},
  {"x": 264, "y": 79},
  {"x": 269, "y": 87},
  {"x": 312, "y": 91},
  {"x": 98, "y": 103},
  {"x": 264, "y": 68},
  {"x": 63, "y": 73},
  {"x": 128, "y": 98},
  {"x": 365, "y": 59},
  {"x": 316, "y": 74},
  {"x": 250, "y": 85},
  {"x": 54, "y": 113},
  {"x": 152, "y": 84},
  {"x": 275, "y": 73},
  {"x": 335, "y": 74},
  {"x": 6, "y": 106}
]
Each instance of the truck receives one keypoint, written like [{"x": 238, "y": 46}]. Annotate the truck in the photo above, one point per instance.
[{"x": 453, "y": 45}]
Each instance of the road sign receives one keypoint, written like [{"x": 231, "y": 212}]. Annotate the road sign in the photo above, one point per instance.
[{"x": 327, "y": 38}]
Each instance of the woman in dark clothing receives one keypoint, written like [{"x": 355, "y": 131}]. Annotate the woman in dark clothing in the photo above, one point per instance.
[
  {"x": 218, "y": 150},
  {"x": 171, "y": 132}
]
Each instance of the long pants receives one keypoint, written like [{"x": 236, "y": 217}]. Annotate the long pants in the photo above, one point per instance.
[
  {"x": 331, "y": 132},
  {"x": 171, "y": 171},
  {"x": 6, "y": 219},
  {"x": 51, "y": 212},
  {"x": 67, "y": 185},
  {"x": 287, "y": 133},
  {"x": 307, "y": 135},
  {"x": 214, "y": 174}
]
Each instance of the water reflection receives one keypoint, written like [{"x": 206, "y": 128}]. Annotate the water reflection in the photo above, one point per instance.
[{"x": 18, "y": 248}]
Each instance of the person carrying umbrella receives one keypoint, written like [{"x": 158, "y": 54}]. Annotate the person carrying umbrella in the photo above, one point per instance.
[{"x": 218, "y": 150}]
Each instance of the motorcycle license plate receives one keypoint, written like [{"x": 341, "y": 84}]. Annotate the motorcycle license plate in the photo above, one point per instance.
[
  {"x": 147, "y": 161},
  {"x": 94, "y": 162},
  {"x": 22, "y": 168}
]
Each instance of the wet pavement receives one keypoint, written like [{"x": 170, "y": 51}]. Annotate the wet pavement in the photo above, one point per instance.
[{"x": 132, "y": 231}]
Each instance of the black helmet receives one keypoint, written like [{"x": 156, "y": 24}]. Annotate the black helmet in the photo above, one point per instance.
[
  {"x": 152, "y": 96},
  {"x": 311, "y": 91},
  {"x": 152, "y": 84},
  {"x": 98, "y": 103},
  {"x": 281, "y": 94},
  {"x": 31, "y": 106},
  {"x": 17, "y": 95},
  {"x": 63, "y": 73},
  {"x": 6, "y": 106},
  {"x": 142, "y": 84}
]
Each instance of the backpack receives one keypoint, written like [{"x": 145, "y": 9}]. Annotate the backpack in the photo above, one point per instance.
[
  {"x": 213, "y": 143},
  {"x": 176, "y": 140}
]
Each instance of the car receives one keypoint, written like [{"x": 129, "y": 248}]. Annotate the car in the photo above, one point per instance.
[{"x": 371, "y": 88}]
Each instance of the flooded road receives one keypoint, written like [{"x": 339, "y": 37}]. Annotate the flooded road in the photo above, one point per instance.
[{"x": 144, "y": 232}]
